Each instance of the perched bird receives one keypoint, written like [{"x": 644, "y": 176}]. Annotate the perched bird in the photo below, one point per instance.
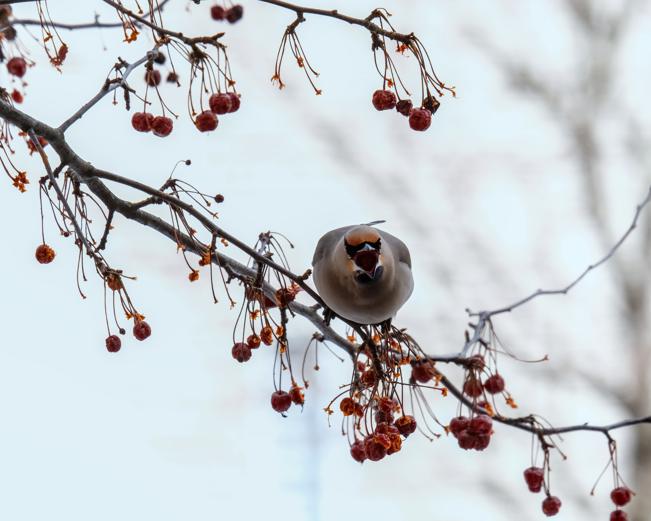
[{"x": 362, "y": 274}]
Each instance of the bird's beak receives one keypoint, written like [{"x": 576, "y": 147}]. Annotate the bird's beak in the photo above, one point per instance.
[{"x": 367, "y": 259}]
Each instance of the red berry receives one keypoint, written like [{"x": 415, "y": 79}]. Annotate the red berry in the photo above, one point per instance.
[
  {"x": 172, "y": 77},
  {"x": 476, "y": 362},
  {"x": 152, "y": 77},
  {"x": 241, "y": 352},
  {"x": 482, "y": 441},
  {"x": 551, "y": 505},
  {"x": 494, "y": 384},
  {"x": 235, "y": 102},
  {"x": 481, "y": 424},
  {"x": 206, "y": 121},
  {"x": 376, "y": 446},
  {"x": 141, "y": 330},
  {"x": 406, "y": 425},
  {"x": 234, "y": 14},
  {"x": 618, "y": 515},
  {"x": 297, "y": 395},
  {"x": 253, "y": 341},
  {"x": 44, "y": 254},
  {"x": 142, "y": 121},
  {"x": 220, "y": 103},
  {"x": 383, "y": 416},
  {"x": 431, "y": 103},
  {"x": 16, "y": 96},
  {"x": 466, "y": 440},
  {"x": 347, "y": 406},
  {"x": 420, "y": 119},
  {"x": 386, "y": 404},
  {"x": 472, "y": 387},
  {"x": 281, "y": 401},
  {"x": 404, "y": 106},
  {"x": 423, "y": 371},
  {"x": 162, "y": 126},
  {"x": 113, "y": 344},
  {"x": 217, "y": 12},
  {"x": 458, "y": 424},
  {"x": 534, "y": 477},
  {"x": 358, "y": 451},
  {"x": 17, "y": 66},
  {"x": 621, "y": 496},
  {"x": 369, "y": 378},
  {"x": 383, "y": 99}
]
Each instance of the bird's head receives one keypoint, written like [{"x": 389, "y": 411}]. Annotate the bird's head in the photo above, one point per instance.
[{"x": 363, "y": 246}]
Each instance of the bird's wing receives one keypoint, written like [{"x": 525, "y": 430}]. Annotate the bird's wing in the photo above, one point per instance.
[{"x": 326, "y": 244}]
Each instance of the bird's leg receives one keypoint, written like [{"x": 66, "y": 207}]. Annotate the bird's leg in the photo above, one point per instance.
[{"x": 328, "y": 315}]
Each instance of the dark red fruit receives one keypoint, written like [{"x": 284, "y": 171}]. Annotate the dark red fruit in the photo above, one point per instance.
[
  {"x": 281, "y": 401},
  {"x": 621, "y": 496},
  {"x": 494, "y": 384},
  {"x": 160, "y": 58},
  {"x": 420, "y": 119},
  {"x": 297, "y": 395},
  {"x": 17, "y": 66},
  {"x": 235, "y": 14},
  {"x": 172, "y": 77},
  {"x": 618, "y": 515},
  {"x": 219, "y": 198},
  {"x": 113, "y": 344},
  {"x": 383, "y": 416},
  {"x": 466, "y": 440},
  {"x": 406, "y": 425},
  {"x": 423, "y": 371},
  {"x": 368, "y": 378},
  {"x": 472, "y": 387},
  {"x": 235, "y": 101},
  {"x": 376, "y": 446},
  {"x": 482, "y": 441},
  {"x": 206, "y": 121},
  {"x": 534, "y": 477},
  {"x": 551, "y": 505},
  {"x": 253, "y": 341},
  {"x": 142, "y": 121},
  {"x": 383, "y": 99},
  {"x": 404, "y": 106},
  {"x": 481, "y": 424},
  {"x": 152, "y": 77},
  {"x": 220, "y": 103},
  {"x": 358, "y": 451},
  {"x": 141, "y": 330},
  {"x": 217, "y": 12},
  {"x": 16, "y": 96},
  {"x": 241, "y": 352},
  {"x": 431, "y": 103},
  {"x": 458, "y": 424},
  {"x": 44, "y": 254},
  {"x": 162, "y": 126}
]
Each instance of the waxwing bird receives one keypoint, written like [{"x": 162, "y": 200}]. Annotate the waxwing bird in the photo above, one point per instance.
[{"x": 362, "y": 274}]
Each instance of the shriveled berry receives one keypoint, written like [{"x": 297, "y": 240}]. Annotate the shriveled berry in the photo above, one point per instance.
[
  {"x": 358, "y": 451},
  {"x": 234, "y": 14},
  {"x": 141, "y": 330},
  {"x": 235, "y": 102},
  {"x": 16, "y": 96},
  {"x": 534, "y": 477},
  {"x": 466, "y": 440},
  {"x": 376, "y": 446},
  {"x": 297, "y": 395},
  {"x": 482, "y": 441},
  {"x": 481, "y": 424},
  {"x": 431, "y": 103},
  {"x": 387, "y": 404},
  {"x": 420, "y": 119},
  {"x": 347, "y": 406},
  {"x": 44, "y": 254},
  {"x": 423, "y": 371},
  {"x": 113, "y": 343},
  {"x": 160, "y": 58},
  {"x": 206, "y": 121},
  {"x": 621, "y": 496},
  {"x": 404, "y": 106},
  {"x": 152, "y": 77},
  {"x": 217, "y": 12},
  {"x": 476, "y": 362},
  {"x": 369, "y": 378},
  {"x": 114, "y": 281},
  {"x": 193, "y": 276},
  {"x": 383, "y": 100},
  {"x": 383, "y": 416},
  {"x": 142, "y": 121},
  {"x": 494, "y": 384},
  {"x": 281, "y": 401},
  {"x": 458, "y": 424},
  {"x": 618, "y": 515},
  {"x": 10, "y": 33},
  {"x": 253, "y": 341},
  {"x": 241, "y": 352},
  {"x": 406, "y": 425},
  {"x": 17, "y": 66},
  {"x": 472, "y": 387},
  {"x": 267, "y": 335},
  {"x": 220, "y": 103},
  {"x": 551, "y": 505},
  {"x": 172, "y": 77},
  {"x": 162, "y": 126}
]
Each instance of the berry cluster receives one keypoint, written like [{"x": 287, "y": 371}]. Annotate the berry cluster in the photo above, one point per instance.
[
  {"x": 472, "y": 433},
  {"x": 620, "y": 496},
  {"x": 231, "y": 15},
  {"x": 420, "y": 119}
]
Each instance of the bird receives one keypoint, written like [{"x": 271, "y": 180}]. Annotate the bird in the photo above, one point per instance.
[{"x": 363, "y": 274}]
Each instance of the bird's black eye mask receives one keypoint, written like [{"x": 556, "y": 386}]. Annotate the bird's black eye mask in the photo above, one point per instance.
[{"x": 352, "y": 250}]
